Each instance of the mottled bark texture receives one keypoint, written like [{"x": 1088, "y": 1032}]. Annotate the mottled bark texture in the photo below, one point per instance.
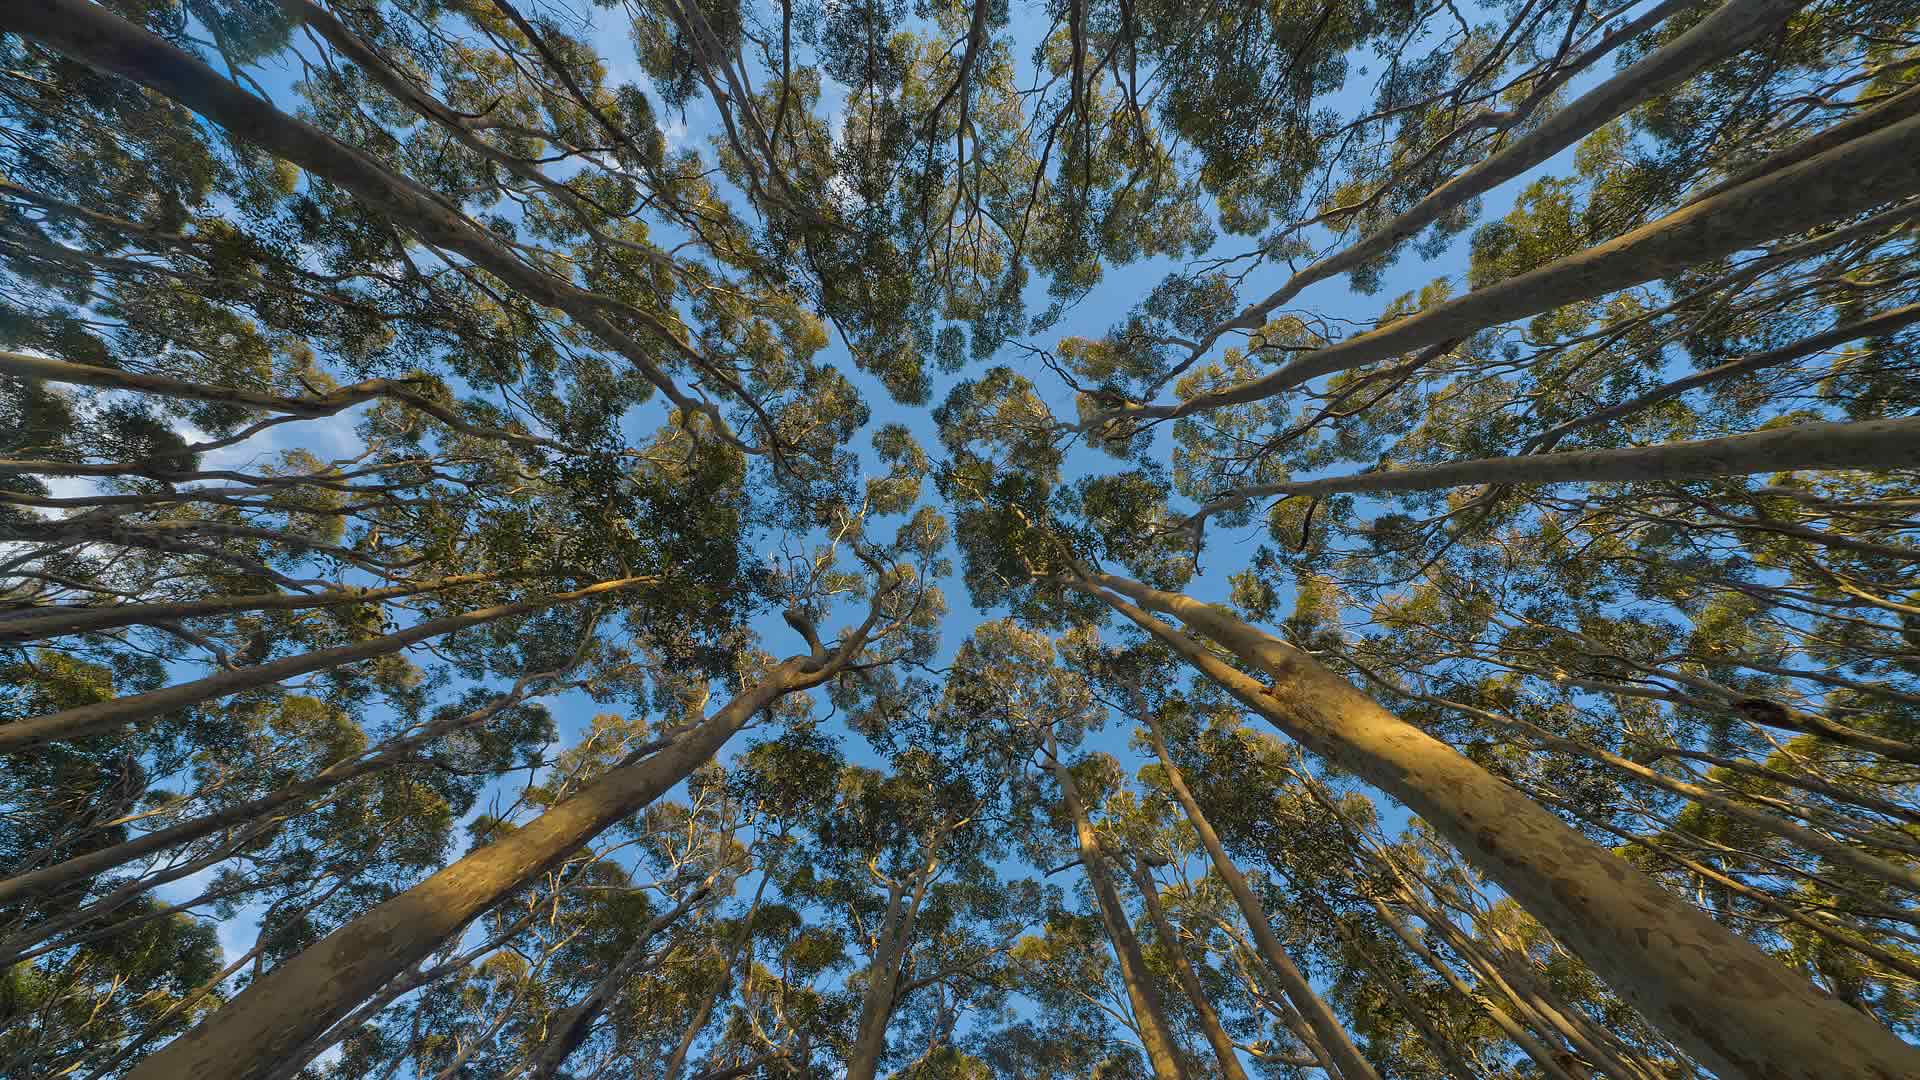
[
  {"x": 1740, "y": 1012},
  {"x": 280, "y": 1012},
  {"x": 1857, "y": 175},
  {"x": 105, "y": 716}
]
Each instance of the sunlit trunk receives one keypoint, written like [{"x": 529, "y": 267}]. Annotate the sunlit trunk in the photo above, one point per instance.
[
  {"x": 1715, "y": 994},
  {"x": 1155, "y": 1035},
  {"x": 280, "y": 1012}
]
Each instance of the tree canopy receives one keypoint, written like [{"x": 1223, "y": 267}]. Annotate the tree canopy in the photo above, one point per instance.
[{"x": 959, "y": 540}]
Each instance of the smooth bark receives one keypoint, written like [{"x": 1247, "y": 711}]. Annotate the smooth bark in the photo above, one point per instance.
[
  {"x": 280, "y": 1012},
  {"x": 1728, "y": 30},
  {"x": 94, "y": 863},
  {"x": 1862, "y": 444},
  {"x": 567, "y": 1030},
  {"x": 34, "y": 624},
  {"x": 1332, "y": 1035},
  {"x": 883, "y": 981},
  {"x": 104, "y": 716},
  {"x": 1857, "y": 175},
  {"x": 1156, "y": 1037},
  {"x": 1208, "y": 1019},
  {"x": 1713, "y": 993},
  {"x": 93, "y": 35}
]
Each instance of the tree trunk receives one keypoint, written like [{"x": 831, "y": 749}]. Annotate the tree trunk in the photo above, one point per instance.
[
  {"x": 401, "y": 985},
  {"x": 346, "y": 397},
  {"x": 99, "y": 862},
  {"x": 1864, "y": 444},
  {"x": 1538, "y": 1052},
  {"x": 1884, "y": 323},
  {"x": 1728, "y": 30},
  {"x": 93, "y": 35},
  {"x": 33, "y": 624},
  {"x": 677, "y": 1060},
  {"x": 1442, "y": 1048},
  {"x": 1841, "y": 854},
  {"x": 1857, "y": 175},
  {"x": 571, "y": 1027},
  {"x": 106, "y": 716},
  {"x": 1712, "y": 992},
  {"x": 877, "y": 1004},
  {"x": 1155, "y": 1035},
  {"x": 1332, "y": 1035},
  {"x": 279, "y": 1012},
  {"x": 1217, "y": 1037}
]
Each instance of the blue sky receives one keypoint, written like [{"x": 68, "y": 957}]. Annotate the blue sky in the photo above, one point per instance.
[{"x": 1119, "y": 290}]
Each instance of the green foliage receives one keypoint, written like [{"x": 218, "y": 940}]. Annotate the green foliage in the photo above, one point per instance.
[{"x": 724, "y": 310}]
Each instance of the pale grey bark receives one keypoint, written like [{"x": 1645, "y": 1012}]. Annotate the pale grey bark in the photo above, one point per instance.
[
  {"x": 93, "y": 35},
  {"x": 1203, "y": 1010},
  {"x": 275, "y": 1015},
  {"x": 105, "y": 716},
  {"x": 1861, "y": 444},
  {"x": 1712, "y": 992},
  {"x": 1728, "y": 30},
  {"x": 1329, "y": 1033},
  {"x": 1858, "y": 175},
  {"x": 1156, "y": 1037}
]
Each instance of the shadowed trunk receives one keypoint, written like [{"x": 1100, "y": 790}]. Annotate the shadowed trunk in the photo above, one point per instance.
[
  {"x": 573, "y": 1024},
  {"x": 33, "y": 624},
  {"x": 1327, "y": 1029},
  {"x": 1864, "y": 444},
  {"x": 1725, "y": 32},
  {"x": 1208, "y": 1019},
  {"x": 107, "y": 716},
  {"x": 1855, "y": 176},
  {"x": 1155, "y": 1036},
  {"x": 1712, "y": 992},
  {"x": 283, "y": 1010}
]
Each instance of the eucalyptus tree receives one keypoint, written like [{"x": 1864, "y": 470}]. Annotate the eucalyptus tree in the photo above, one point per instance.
[{"x": 381, "y": 379}]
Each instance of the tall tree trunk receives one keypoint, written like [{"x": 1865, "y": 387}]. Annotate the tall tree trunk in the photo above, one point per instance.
[
  {"x": 97, "y": 862},
  {"x": 1728, "y": 30},
  {"x": 1541, "y": 1055},
  {"x": 1867, "y": 865},
  {"x": 279, "y": 1012},
  {"x": 677, "y": 1060},
  {"x": 346, "y": 397},
  {"x": 1710, "y": 991},
  {"x": 1332, "y": 1035},
  {"x": 106, "y": 716},
  {"x": 1155, "y": 1035},
  {"x": 1217, "y": 1037},
  {"x": 401, "y": 985},
  {"x": 1857, "y": 175},
  {"x": 91, "y": 34},
  {"x": 883, "y": 982},
  {"x": 34, "y": 624},
  {"x": 1441, "y": 1046},
  {"x": 1863, "y": 444},
  {"x": 573, "y": 1024}
]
